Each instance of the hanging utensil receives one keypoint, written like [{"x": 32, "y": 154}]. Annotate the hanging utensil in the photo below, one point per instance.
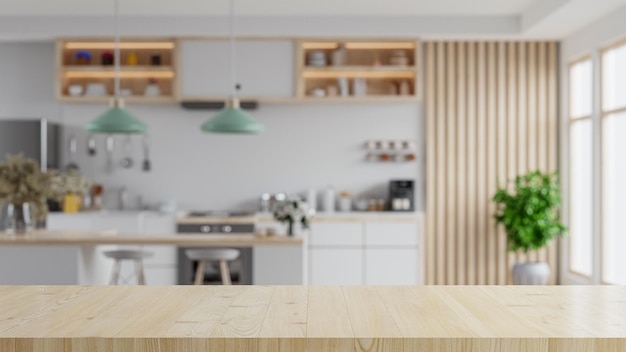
[
  {"x": 127, "y": 162},
  {"x": 109, "y": 167},
  {"x": 72, "y": 165},
  {"x": 146, "y": 166},
  {"x": 91, "y": 146}
]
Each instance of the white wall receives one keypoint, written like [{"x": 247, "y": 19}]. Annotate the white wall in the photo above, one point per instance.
[
  {"x": 312, "y": 145},
  {"x": 27, "y": 81},
  {"x": 303, "y": 146}
]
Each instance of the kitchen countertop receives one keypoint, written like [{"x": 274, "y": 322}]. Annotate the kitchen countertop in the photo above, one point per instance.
[
  {"x": 353, "y": 216},
  {"x": 313, "y": 318},
  {"x": 76, "y": 237}
]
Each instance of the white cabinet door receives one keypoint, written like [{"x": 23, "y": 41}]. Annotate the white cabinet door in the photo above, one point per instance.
[
  {"x": 336, "y": 266},
  {"x": 277, "y": 265},
  {"x": 336, "y": 234},
  {"x": 391, "y": 234},
  {"x": 159, "y": 224},
  {"x": 389, "y": 266},
  {"x": 160, "y": 275},
  {"x": 265, "y": 68}
]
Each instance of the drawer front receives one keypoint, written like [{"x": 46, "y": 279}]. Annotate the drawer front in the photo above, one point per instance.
[
  {"x": 336, "y": 266},
  {"x": 391, "y": 267},
  {"x": 215, "y": 228},
  {"x": 391, "y": 234},
  {"x": 336, "y": 234}
]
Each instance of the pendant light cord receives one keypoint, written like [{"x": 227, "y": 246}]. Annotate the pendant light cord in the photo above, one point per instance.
[
  {"x": 116, "y": 52},
  {"x": 233, "y": 53}
]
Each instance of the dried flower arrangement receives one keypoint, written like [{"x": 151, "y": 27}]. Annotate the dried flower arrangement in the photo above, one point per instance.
[{"x": 22, "y": 182}]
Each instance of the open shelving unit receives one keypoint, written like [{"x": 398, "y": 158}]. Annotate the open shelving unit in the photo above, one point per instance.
[
  {"x": 360, "y": 59},
  {"x": 137, "y": 69}
]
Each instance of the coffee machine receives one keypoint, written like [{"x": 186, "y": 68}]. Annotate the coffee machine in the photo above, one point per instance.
[{"x": 401, "y": 195}]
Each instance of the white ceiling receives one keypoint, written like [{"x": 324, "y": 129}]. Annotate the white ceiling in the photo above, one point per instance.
[
  {"x": 267, "y": 7},
  {"x": 462, "y": 19}
]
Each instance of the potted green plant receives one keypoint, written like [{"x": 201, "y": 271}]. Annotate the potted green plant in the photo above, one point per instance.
[{"x": 530, "y": 217}]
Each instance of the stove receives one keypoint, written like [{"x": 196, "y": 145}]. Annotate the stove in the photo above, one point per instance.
[
  {"x": 220, "y": 213},
  {"x": 212, "y": 222}
]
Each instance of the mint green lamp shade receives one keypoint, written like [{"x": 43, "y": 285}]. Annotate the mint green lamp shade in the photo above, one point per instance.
[
  {"x": 231, "y": 119},
  {"x": 117, "y": 120}
]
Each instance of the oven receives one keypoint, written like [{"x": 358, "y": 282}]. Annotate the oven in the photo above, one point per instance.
[{"x": 208, "y": 223}]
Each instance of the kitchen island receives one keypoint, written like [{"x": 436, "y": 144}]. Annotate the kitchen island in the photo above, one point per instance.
[
  {"x": 79, "y": 255},
  {"x": 313, "y": 318}
]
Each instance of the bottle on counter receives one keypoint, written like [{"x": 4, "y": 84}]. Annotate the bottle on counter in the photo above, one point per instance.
[
  {"x": 329, "y": 200},
  {"x": 311, "y": 199}
]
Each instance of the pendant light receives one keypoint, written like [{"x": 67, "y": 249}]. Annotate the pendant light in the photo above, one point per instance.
[
  {"x": 232, "y": 119},
  {"x": 117, "y": 119}
]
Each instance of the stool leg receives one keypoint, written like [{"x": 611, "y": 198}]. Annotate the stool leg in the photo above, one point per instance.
[
  {"x": 141, "y": 280},
  {"x": 199, "y": 273},
  {"x": 115, "y": 275},
  {"x": 225, "y": 272}
]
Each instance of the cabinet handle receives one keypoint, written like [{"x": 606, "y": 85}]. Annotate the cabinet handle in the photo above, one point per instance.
[
  {"x": 205, "y": 228},
  {"x": 227, "y": 228}
]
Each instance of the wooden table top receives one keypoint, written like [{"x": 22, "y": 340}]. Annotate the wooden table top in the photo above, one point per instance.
[
  {"x": 312, "y": 318},
  {"x": 81, "y": 238}
]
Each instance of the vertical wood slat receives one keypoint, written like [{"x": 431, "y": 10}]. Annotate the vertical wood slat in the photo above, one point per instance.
[
  {"x": 451, "y": 173},
  {"x": 491, "y": 162},
  {"x": 552, "y": 124},
  {"x": 522, "y": 119},
  {"x": 532, "y": 118},
  {"x": 431, "y": 175},
  {"x": 472, "y": 210},
  {"x": 461, "y": 220},
  {"x": 441, "y": 170},
  {"x": 491, "y": 115},
  {"x": 542, "y": 113},
  {"x": 501, "y": 178},
  {"x": 481, "y": 238},
  {"x": 511, "y": 131}
]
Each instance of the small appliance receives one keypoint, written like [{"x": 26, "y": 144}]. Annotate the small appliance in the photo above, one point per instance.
[{"x": 401, "y": 195}]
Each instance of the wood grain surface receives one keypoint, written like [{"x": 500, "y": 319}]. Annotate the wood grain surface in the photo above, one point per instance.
[
  {"x": 315, "y": 318},
  {"x": 80, "y": 238},
  {"x": 491, "y": 114}
]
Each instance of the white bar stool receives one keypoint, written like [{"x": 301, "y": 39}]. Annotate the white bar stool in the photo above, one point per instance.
[
  {"x": 126, "y": 254},
  {"x": 223, "y": 256}
]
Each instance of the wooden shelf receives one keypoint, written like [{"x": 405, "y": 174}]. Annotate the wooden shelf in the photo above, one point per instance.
[
  {"x": 371, "y": 60},
  {"x": 107, "y": 99},
  {"x": 362, "y": 99},
  {"x": 134, "y": 78}
]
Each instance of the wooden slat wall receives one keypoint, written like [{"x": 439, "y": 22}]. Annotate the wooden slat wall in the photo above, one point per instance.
[{"x": 491, "y": 114}]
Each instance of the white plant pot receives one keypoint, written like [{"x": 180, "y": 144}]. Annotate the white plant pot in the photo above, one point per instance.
[{"x": 531, "y": 273}]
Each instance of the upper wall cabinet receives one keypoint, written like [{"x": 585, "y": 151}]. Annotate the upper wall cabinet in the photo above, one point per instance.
[
  {"x": 86, "y": 70},
  {"x": 264, "y": 69},
  {"x": 351, "y": 70}
]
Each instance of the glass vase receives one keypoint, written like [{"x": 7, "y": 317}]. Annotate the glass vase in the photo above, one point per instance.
[{"x": 19, "y": 219}]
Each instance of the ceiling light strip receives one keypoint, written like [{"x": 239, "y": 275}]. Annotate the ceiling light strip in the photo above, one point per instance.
[
  {"x": 128, "y": 74},
  {"x": 352, "y": 74},
  {"x": 379, "y": 45},
  {"x": 125, "y": 45}
]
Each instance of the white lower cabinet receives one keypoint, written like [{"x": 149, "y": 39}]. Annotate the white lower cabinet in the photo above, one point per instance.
[
  {"x": 336, "y": 266},
  {"x": 160, "y": 275},
  {"x": 391, "y": 266},
  {"x": 364, "y": 253}
]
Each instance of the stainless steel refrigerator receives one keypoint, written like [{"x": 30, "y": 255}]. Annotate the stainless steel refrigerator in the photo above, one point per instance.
[{"x": 38, "y": 139}]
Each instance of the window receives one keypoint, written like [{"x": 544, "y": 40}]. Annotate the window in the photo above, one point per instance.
[
  {"x": 581, "y": 168},
  {"x": 614, "y": 165}
]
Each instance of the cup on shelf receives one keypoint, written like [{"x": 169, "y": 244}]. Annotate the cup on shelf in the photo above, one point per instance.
[{"x": 75, "y": 90}]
